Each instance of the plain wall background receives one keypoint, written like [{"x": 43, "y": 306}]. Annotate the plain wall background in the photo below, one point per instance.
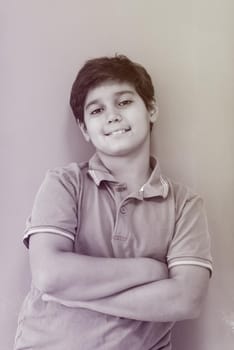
[{"x": 187, "y": 46}]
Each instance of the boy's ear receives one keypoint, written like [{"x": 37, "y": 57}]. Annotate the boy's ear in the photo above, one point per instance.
[
  {"x": 84, "y": 131},
  {"x": 154, "y": 111}
]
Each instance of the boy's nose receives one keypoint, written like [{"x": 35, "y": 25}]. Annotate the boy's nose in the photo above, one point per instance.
[{"x": 113, "y": 116}]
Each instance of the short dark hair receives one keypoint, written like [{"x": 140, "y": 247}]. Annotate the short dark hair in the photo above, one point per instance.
[{"x": 118, "y": 68}]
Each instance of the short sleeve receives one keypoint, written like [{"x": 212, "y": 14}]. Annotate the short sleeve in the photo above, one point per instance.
[
  {"x": 55, "y": 206},
  {"x": 190, "y": 244}
]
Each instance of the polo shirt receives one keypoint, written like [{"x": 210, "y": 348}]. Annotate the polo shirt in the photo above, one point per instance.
[{"x": 164, "y": 220}]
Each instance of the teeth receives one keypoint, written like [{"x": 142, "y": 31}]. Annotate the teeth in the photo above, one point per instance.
[
  {"x": 117, "y": 132},
  {"x": 122, "y": 131}
]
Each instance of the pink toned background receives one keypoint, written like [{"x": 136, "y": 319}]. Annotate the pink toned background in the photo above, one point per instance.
[{"x": 187, "y": 46}]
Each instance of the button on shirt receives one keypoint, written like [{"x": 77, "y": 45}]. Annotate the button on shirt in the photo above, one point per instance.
[
  {"x": 85, "y": 203},
  {"x": 123, "y": 210}
]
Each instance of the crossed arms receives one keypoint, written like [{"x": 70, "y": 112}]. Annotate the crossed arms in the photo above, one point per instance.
[{"x": 135, "y": 288}]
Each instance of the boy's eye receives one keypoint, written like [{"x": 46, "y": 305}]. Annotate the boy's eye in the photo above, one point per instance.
[
  {"x": 125, "y": 102},
  {"x": 96, "y": 111}
]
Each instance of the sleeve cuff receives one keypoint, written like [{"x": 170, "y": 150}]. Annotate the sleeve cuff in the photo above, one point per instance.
[
  {"x": 202, "y": 263},
  {"x": 46, "y": 229}
]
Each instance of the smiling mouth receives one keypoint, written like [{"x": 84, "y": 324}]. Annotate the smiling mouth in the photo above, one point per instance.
[{"x": 118, "y": 132}]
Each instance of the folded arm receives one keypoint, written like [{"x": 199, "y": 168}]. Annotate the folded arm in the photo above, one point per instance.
[
  {"x": 134, "y": 288},
  {"x": 174, "y": 299},
  {"x": 61, "y": 273}
]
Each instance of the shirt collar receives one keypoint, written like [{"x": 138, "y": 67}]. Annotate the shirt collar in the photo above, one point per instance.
[{"x": 156, "y": 185}]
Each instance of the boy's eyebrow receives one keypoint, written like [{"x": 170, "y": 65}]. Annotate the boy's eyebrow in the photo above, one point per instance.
[
  {"x": 93, "y": 102},
  {"x": 118, "y": 93}
]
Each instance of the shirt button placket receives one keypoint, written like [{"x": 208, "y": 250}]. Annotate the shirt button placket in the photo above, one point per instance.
[{"x": 121, "y": 230}]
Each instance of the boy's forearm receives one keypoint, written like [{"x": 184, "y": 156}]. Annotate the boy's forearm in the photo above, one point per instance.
[
  {"x": 173, "y": 299},
  {"x": 160, "y": 301},
  {"x": 155, "y": 302},
  {"x": 83, "y": 278}
]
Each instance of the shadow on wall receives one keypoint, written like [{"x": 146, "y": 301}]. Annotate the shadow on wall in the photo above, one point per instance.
[{"x": 78, "y": 149}]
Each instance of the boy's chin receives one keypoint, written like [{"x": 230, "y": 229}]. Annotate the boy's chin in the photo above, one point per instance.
[{"x": 118, "y": 152}]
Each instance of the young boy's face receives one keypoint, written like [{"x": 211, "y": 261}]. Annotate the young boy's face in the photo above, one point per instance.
[{"x": 117, "y": 121}]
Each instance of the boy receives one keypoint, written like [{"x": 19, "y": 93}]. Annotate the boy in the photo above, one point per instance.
[{"x": 118, "y": 252}]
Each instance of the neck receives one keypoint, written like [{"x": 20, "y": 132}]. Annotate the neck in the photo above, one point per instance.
[{"x": 132, "y": 170}]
